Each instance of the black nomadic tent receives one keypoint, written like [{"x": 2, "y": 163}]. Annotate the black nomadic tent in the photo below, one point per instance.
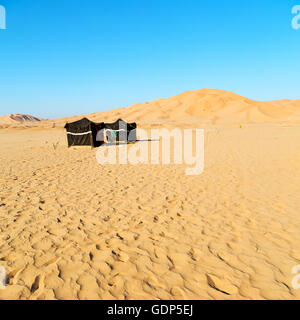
[
  {"x": 120, "y": 130},
  {"x": 83, "y": 133}
]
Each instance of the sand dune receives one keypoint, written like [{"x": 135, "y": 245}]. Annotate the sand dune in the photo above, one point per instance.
[
  {"x": 200, "y": 106},
  {"x": 13, "y": 119},
  {"x": 215, "y": 105}
]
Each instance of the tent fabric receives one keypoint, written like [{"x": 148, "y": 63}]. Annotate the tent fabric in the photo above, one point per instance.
[
  {"x": 120, "y": 130},
  {"x": 120, "y": 124},
  {"x": 85, "y": 132}
]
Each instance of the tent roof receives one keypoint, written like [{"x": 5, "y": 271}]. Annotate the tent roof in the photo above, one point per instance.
[
  {"x": 119, "y": 124},
  {"x": 81, "y": 123}
]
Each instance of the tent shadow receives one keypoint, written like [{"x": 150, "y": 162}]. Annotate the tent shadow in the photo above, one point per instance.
[
  {"x": 108, "y": 144},
  {"x": 147, "y": 140}
]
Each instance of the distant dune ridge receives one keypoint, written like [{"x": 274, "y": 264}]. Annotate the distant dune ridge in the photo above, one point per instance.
[
  {"x": 205, "y": 105},
  {"x": 18, "y": 118}
]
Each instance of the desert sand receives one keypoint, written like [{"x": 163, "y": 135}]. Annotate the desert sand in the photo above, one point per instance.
[{"x": 73, "y": 229}]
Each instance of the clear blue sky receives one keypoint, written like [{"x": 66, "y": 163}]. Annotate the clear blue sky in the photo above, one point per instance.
[{"x": 67, "y": 57}]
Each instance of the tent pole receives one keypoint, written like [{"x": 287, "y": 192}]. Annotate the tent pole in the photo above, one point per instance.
[{"x": 92, "y": 140}]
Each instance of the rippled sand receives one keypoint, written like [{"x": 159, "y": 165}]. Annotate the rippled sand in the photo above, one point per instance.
[{"x": 72, "y": 229}]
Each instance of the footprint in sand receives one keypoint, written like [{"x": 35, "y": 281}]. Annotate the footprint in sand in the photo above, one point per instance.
[{"x": 37, "y": 286}]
